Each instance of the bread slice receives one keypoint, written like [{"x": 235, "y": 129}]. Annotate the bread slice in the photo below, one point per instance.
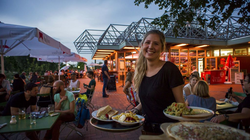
[
  {"x": 104, "y": 110},
  {"x": 111, "y": 113}
]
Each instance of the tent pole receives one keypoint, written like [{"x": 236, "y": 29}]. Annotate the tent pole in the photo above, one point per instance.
[{"x": 2, "y": 64}]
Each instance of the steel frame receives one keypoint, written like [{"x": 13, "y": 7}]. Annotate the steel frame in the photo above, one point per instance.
[{"x": 116, "y": 34}]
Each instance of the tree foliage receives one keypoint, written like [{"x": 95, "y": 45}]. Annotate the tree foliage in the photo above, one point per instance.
[
  {"x": 185, "y": 11},
  {"x": 17, "y": 64}
]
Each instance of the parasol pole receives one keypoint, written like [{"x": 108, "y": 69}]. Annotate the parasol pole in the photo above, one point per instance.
[{"x": 2, "y": 64}]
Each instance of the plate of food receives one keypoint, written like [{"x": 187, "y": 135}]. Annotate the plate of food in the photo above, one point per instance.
[
  {"x": 128, "y": 119},
  {"x": 205, "y": 131},
  {"x": 104, "y": 114},
  {"x": 179, "y": 111}
]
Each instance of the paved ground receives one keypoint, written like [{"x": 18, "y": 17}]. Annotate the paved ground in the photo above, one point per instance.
[{"x": 118, "y": 100}]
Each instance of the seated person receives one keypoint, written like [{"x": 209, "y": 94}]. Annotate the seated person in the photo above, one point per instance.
[
  {"x": 18, "y": 84},
  {"x": 5, "y": 88},
  {"x": 92, "y": 83},
  {"x": 23, "y": 100},
  {"x": 128, "y": 83},
  {"x": 74, "y": 83},
  {"x": 188, "y": 88},
  {"x": 65, "y": 105},
  {"x": 201, "y": 97},
  {"x": 243, "y": 110}
]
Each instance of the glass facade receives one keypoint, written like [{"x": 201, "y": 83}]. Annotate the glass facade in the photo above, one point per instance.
[
  {"x": 226, "y": 52},
  {"x": 242, "y": 51}
]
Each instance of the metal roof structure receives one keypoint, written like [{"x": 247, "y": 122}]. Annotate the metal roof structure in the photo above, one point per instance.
[{"x": 117, "y": 36}]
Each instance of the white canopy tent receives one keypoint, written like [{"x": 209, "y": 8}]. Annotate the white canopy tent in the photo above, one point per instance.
[{"x": 16, "y": 40}]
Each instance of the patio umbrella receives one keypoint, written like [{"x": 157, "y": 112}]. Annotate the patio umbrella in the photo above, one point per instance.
[
  {"x": 16, "y": 40},
  {"x": 94, "y": 64},
  {"x": 65, "y": 68},
  {"x": 61, "y": 58},
  {"x": 229, "y": 65}
]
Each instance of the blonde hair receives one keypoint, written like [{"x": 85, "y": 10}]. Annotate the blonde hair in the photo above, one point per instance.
[
  {"x": 201, "y": 89},
  {"x": 141, "y": 63}
]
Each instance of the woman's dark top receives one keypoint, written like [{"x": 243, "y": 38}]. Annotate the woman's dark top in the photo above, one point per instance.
[
  {"x": 156, "y": 94},
  {"x": 18, "y": 84}
]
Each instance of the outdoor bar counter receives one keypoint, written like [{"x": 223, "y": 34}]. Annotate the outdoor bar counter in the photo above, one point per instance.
[{"x": 214, "y": 76}]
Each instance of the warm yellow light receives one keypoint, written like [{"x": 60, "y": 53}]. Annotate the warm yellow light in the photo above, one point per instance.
[
  {"x": 105, "y": 50},
  {"x": 100, "y": 56},
  {"x": 133, "y": 52},
  {"x": 131, "y": 48},
  {"x": 249, "y": 42},
  {"x": 179, "y": 45},
  {"x": 97, "y": 58},
  {"x": 202, "y": 46}
]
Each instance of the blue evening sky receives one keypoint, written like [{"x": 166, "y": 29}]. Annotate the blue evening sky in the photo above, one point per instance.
[{"x": 65, "y": 20}]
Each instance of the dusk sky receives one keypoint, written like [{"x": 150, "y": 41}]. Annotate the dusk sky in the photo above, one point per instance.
[{"x": 65, "y": 20}]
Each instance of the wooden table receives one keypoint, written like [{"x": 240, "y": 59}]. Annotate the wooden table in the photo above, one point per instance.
[{"x": 44, "y": 123}]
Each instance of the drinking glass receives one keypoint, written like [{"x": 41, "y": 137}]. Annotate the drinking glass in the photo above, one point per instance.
[
  {"x": 51, "y": 109},
  {"x": 22, "y": 113},
  {"x": 73, "y": 88},
  {"x": 32, "y": 118}
]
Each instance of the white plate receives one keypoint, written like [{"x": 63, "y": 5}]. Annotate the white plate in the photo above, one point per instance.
[
  {"x": 190, "y": 119},
  {"x": 130, "y": 123},
  {"x": 94, "y": 116}
]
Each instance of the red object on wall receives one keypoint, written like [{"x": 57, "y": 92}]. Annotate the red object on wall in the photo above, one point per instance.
[{"x": 214, "y": 76}]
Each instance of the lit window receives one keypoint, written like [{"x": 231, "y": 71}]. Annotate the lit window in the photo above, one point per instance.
[
  {"x": 192, "y": 52},
  {"x": 226, "y": 52},
  {"x": 184, "y": 52},
  {"x": 242, "y": 51},
  {"x": 174, "y": 52},
  {"x": 216, "y": 53}
]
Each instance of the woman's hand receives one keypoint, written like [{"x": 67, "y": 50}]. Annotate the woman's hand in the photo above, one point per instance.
[
  {"x": 218, "y": 119},
  {"x": 134, "y": 110}
]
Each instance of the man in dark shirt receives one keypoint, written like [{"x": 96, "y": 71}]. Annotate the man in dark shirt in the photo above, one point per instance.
[
  {"x": 23, "y": 100},
  {"x": 105, "y": 76},
  {"x": 92, "y": 83},
  {"x": 243, "y": 111}
]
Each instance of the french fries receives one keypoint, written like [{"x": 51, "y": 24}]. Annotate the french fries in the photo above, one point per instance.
[{"x": 127, "y": 117}]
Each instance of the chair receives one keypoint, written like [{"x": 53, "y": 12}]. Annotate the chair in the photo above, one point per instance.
[
  {"x": 45, "y": 96},
  {"x": 132, "y": 102},
  {"x": 89, "y": 104},
  {"x": 73, "y": 125}
]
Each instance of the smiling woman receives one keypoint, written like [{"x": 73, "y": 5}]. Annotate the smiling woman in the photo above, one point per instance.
[{"x": 158, "y": 83}]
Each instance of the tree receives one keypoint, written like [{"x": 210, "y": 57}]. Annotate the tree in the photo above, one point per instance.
[
  {"x": 17, "y": 64},
  {"x": 81, "y": 65},
  {"x": 186, "y": 11}
]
